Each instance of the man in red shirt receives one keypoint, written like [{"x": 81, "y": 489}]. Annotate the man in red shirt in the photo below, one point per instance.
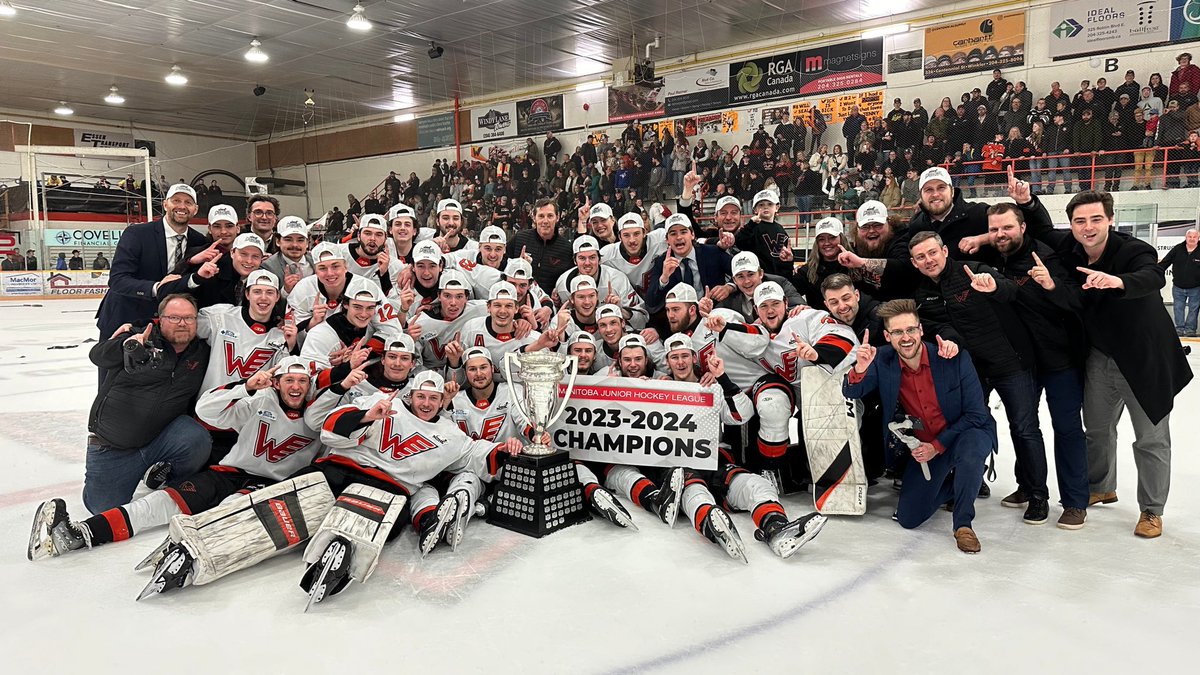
[{"x": 957, "y": 432}]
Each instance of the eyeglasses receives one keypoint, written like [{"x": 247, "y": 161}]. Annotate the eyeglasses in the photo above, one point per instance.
[
  {"x": 179, "y": 319},
  {"x": 910, "y": 332},
  {"x": 872, "y": 226},
  {"x": 262, "y": 213}
]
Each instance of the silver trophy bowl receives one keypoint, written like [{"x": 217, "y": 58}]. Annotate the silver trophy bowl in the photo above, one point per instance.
[{"x": 540, "y": 372}]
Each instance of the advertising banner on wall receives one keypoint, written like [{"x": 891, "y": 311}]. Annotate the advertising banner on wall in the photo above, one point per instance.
[
  {"x": 494, "y": 121},
  {"x": 82, "y": 238},
  {"x": 539, "y": 115},
  {"x": 435, "y": 131},
  {"x": 20, "y": 283},
  {"x": 693, "y": 91},
  {"x": 1090, "y": 26},
  {"x": 764, "y": 79},
  {"x": 839, "y": 67},
  {"x": 1185, "y": 20},
  {"x": 77, "y": 283},
  {"x": 976, "y": 44},
  {"x": 635, "y": 103},
  {"x": 87, "y": 138}
]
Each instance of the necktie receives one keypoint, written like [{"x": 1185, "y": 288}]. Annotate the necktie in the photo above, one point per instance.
[
  {"x": 178, "y": 254},
  {"x": 689, "y": 276}
]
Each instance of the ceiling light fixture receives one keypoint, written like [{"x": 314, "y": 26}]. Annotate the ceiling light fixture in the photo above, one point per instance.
[
  {"x": 255, "y": 54},
  {"x": 63, "y": 109},
  {"x": 113, "y": 97},
  {"x": 176, "y": 77},
  {"x": 357, "y": 21},
  {"x": 6, "y": 8},
  {"x": 406, "y": 117},
  {"x": 587, "y": 86},
  {"x": 884, "y": 31}
]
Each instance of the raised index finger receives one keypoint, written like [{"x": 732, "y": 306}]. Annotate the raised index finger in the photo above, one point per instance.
[
  {"x": 867, "y": 336},
  {"x": 1036, "y": 260},
  {"x": 967, "y": 269}
]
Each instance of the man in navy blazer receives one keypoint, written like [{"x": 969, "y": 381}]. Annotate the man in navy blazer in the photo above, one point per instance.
[
  {"x": 697, "y": 265},
  {"x": 957, "y": 430},
  {"x": 145, "y": 255}
]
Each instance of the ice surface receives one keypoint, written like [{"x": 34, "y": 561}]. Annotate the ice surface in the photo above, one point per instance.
[{"x": 864, "y": 596}]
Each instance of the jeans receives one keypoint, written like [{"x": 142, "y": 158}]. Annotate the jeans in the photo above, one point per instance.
[
  {"x": 1057, "y": 162},
  {"x": 1185, "y": 302},
  {"x": 678, "y": 183},
  {"x": 1019, "y": 393},
  {"x": 1035, "y": 170},
  {"x": 1064, "y": 397},
  {"x": 804, "y": 205},
  {"x": 955, "y": 474},
  {"x": 1106, "y": 395},
  {"x": 112, "y": 475}
]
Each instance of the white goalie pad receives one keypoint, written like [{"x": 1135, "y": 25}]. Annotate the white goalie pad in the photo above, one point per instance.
[
  {"x": 251, "y": 528},
  {"x": 364, "y": 516},
  {"x": 830, "y": 422}
]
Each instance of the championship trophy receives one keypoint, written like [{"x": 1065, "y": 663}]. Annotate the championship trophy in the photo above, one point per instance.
[{"x": 539, "y": 491}]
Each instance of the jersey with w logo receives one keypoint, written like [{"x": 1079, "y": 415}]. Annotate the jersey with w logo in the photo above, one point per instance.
[
  {"x": 240, "y": 346},
  {"x": 273, "y": 442}
]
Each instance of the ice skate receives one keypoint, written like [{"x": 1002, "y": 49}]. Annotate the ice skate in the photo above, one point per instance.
[
  {"x": 155, "y": 556},
  {"x": 604, "y": 504},
  {"x": 435, "y": 527},
  {"x": 665, "y": 500},
  {"x": 173, "y": 571},
  {"x": 458, "y": 525},
  {"x": 329, "y": 575},
  {"x": 718, "y": 527},
  {"x": 53, "y": 533},
  {"x": 786, "y": 538},
  {"x": 774, "y": 478},
  {"x": 157, "y": 475}
]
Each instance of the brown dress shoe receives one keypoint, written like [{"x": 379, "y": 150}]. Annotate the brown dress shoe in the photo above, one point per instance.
[
  {"x": 966, "y": 540},
  {"x": 1102, "y": 498},
  {"x": 1149, "y": 526}
]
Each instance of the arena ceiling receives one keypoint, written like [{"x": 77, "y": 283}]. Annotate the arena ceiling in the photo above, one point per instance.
[{"x": 74, "y": 50}]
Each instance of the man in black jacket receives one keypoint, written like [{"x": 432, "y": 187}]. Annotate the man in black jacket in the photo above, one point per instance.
[
  {"x": 142, "y": 414},
  {"x": 1184, "y": 262},
  {"x": 549, "y": 252},
  {"x": 1033, "y": 266},
  {"x": 972, "y": 305},
  {"x": 1136, "y": 361}
]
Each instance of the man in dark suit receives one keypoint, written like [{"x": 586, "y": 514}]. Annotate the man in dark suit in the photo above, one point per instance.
[
  {"x": 699, "y": 266},
  {"x": 957, "y": 432},
  {"x": 144, "y": 256}
]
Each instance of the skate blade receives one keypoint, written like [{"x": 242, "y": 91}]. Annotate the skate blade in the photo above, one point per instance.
[
  {"x": 156, "y": 585},
  {"x": 446, "y": 511},
  {"x": 727, "y": 536},
  {"x": 793, "y": 544},
  {"x": 458, "y": 527},
  {"x": 328, "y": 560},
  {"x": 155, "y": 556},
  {"x": 606, "y": 505},
  {"x": 172, "y": 563},
  {"x": 676, "y": 483},
  {"x": 41, "y": 538}
]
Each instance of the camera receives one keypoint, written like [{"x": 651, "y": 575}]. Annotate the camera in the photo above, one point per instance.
[
  {"x": 260, "y": 90},
  {"x": 435, "y": 50}
]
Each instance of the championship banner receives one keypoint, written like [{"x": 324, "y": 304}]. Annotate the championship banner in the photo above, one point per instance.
[
  {"x": 1089, "y": 26},
  {"x": 693, "y": 91},
  {"x": 497, "y": 121},
  {"x": 634, "y": 103},
  {"x": 619, "y": 420},
  {"x": 846, "y": 65},
  {"x": 538, "y": 115},
  {"x": 973, "y": 45}
]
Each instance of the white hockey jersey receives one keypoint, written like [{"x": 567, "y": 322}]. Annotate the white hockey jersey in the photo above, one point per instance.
[
  {"x": 436, "y": 333},
  {"x": 478, "y": 333},
  {"x": 369, "y": 269},
  {"x": 630, "y": 299},
  {"x": 493, "y": 419},
  {"x": 817, "y": 328},
  {"x": 482, "y": 277},
  {"x": 273, "y": 442},
  {"x": 409, "y": 450},
  {"x": 636, "y": 269},
  {"x": 739, "y": 350},
  {"x": 240, "y": 346}
]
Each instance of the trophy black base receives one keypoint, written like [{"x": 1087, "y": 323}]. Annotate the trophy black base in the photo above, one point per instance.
[{"x": 538, "y": 495}]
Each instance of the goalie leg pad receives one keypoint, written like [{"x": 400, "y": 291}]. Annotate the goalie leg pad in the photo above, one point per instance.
[
  {"x": 253, "y": 527},
  {"x": 364, "y": 516},
  {"x": 773, "y": 405}
]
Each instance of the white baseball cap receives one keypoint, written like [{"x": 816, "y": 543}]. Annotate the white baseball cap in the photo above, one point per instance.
[
  {"x": 600, "y": 211},
  {"x": 609, "y": 312},
  {"x": 367, "y": 292},
  {"x": 677, "y": 219},
  {"x": 293, "y": 365},
  {"x": 492, "y": 235},
  {"x": 181, "y": 187},
  {"x": 428, "y": 379},
  {"x": 581, "y": 336},
  {"x": 829, "y": 225},
  {"x": 745, "y": 261},
  {"x": 262, "y": 278},
  {"x": 935, "y": 173},
  {"x": 502, "y": 291},
  {"x": 768, "y": 291},
  {"x": 289, "y": 225},
  {"x": 765, "y": 196},
  {"x": 326, "y": 251},
  {"x": 518, "y": 268},
  {"x": 585, "y": 242},
  {"x": 727, "y": 200},
  {"x": 630, "y": 221},
  {"x": 871, "y": 211},
  {"x": 476, "y": 353},
  {"x": 455, "y": 280},
  {"x": 248, "y": 239},
  {"x": 678, "y": 341},
  {"x": 682, "y": 292},
  {"x": 582, "y": 282},
  {"x": 373, "y": 221},
  {"x": 426, "y": 250},
  {"x": 222, "y": 212},
  {"x": 449, "y": 205},
  {"x": 402, "y": 342},
  {"x": 632, "y": 340},
  {"x": 401, "y": 211}
]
